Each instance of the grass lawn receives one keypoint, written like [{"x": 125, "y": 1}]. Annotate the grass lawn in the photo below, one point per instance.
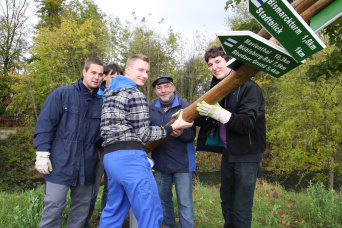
[{"x": 273, "y": 207}]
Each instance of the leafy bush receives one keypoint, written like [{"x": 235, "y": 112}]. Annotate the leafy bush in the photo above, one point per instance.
[
  {"x": 17, "y": 157},
  {"x": 326, "y": 208}
]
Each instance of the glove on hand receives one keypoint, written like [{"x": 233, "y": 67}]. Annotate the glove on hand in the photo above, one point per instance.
[
  {"x": 214, "y": 111},
  {"x": 43, "y": 163},
  {"x": 176, "y": 113}
]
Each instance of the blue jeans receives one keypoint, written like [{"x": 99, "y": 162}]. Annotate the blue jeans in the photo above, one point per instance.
[
  {"x": 183, "y": 185},
  {"x": 130, "y": 184},
  {"x": 238, "y": 182}
]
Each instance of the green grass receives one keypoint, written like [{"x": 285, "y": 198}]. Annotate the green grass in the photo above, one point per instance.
[{"x": 273, "y": 207}]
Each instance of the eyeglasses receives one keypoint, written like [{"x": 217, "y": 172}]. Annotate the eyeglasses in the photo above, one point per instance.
[{"x": 164, "y": 87}]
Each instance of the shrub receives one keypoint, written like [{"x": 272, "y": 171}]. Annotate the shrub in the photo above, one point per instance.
[{"x": 325, "y": 206}]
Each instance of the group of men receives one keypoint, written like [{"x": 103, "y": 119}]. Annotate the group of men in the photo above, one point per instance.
[{"x": 94, "y": 127}]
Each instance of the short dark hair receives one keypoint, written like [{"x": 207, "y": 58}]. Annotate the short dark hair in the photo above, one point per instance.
[
  {"x": 114, "y": 68},
  {"x": 92, "y": 61},
  {"x": 215, "y": 51},
  {"x": 135, "y": 57}
]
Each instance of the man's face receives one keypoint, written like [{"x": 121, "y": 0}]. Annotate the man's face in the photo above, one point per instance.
[
  {"x": 109, "y": 77},
  {"x": 218, "y": 68},
  {"x": 93, "y": 77},
  {"x": 165, "y": 91},
  {"x": 138, "y": 72}
]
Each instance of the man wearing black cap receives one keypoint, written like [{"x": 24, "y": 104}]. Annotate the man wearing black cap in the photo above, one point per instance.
[{"x": 175, "y": 158}]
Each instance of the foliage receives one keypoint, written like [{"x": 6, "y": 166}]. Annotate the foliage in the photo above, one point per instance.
[
  {"x": 160, "y": 49},
  {"x": 13, "y": 45},
  {"x": 208, "y": 161},
  {"x": 304, "y": 123},
  {"x": 13, "y": 32},
  {"x": 241, "y": 19},
  {"x": 273, "y": 207},
  {"x": 59, "y": 56},
  {"x": 17, "y": 157},
  {"x": 194, "y": 79},
  {"x": 50, "y": 13},
  {"x": 325, "y": 206},
  {"x": 331, "y": 64}
]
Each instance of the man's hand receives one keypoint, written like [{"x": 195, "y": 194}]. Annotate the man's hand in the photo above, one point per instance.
[
  {"x": 214, "y": 111},
  {"x": 43, "y": 163},
  {"x": 180, "y": 123},
  {"x": 177, "y": 133}
]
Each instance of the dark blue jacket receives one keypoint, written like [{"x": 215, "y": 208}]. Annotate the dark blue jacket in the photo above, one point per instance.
[
  {"x": 69, "y": 128},
  {"x": 176, "y": 154}
]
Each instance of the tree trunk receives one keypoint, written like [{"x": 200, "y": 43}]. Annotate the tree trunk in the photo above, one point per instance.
[{"x": 331, "y": 174}]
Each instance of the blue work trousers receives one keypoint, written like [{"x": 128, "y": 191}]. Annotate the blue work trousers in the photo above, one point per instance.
[
  {"x": 130, "y": 184},
  {"x": 238, "y": 182},
  {"x": 183, "y": 186}
]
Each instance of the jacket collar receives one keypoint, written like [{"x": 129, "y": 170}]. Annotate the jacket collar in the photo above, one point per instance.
[{"x": 84, "y": 90}]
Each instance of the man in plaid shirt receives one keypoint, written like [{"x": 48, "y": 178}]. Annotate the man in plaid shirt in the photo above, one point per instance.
[{"x": 125, "y": 128}]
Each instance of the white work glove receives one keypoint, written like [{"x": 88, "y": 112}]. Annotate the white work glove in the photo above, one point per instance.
[
  {"x": 214, "y": 111},
  {"x": 43, "y": 163}
]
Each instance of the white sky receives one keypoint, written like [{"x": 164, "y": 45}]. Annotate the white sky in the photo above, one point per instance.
[{"x": 184, "y": 16}]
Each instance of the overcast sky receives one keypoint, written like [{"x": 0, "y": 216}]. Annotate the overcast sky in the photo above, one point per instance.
[{"x": 184, "y": 16}]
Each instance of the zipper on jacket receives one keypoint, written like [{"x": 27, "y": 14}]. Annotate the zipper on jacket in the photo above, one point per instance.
[{"x": 250, "y": 140}]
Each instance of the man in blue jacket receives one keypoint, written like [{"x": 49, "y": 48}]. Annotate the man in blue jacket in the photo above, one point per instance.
[
  {"x": 66, "y": 137},
  {"x": 175, "y": 158}
]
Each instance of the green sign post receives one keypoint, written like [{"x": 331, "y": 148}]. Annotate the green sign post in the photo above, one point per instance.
[
  {"x": 258, "y": 52},
  {"x": 280, "y": 19},
  {"x": 326, "y": 16}
]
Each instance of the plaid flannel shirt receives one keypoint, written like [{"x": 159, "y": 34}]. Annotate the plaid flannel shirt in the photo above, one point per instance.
[{"x": 125, "y": 117}]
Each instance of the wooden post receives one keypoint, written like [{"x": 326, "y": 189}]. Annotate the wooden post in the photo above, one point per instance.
[{"x": 308, "y": 8}]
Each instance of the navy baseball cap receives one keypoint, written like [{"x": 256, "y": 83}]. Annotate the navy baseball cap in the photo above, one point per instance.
[{"x": 161, "y": 79}]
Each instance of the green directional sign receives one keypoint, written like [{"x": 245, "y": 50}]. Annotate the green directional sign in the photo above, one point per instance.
[
  {"x": 258, "y": 52},
  {"x": 326, "y": 16},
  {"x": 280, "y": 19}
]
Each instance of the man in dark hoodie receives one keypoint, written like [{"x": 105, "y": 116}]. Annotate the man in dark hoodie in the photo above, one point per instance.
[
  {"x": 125, "y": 128},
  {"x": 236, "y": 127},
  {"x": 66, "y": 137},
  {"x": 110, "y": 71}
]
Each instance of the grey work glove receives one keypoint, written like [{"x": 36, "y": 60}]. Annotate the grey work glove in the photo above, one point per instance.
[{"x": 43, "y": 163}]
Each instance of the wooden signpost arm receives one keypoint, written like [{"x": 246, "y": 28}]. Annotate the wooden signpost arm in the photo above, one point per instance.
[{"x": 243, "y": 73}]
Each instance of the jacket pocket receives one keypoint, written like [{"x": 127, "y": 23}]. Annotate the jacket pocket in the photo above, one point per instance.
[
  {"x": 94, "y": 128},
  {"x": 71, "y": 117}
]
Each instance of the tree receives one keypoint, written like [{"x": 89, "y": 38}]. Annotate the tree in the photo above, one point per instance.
[
  {"x": 304, "y": 128},
  {"x": 59, "y": 57},
  {"x": 241, "y": 19},
  {"x": 13, "y": 44},
  {"x": 331, "y": 66},
  {"x": 50, "y": 13},
  {"x": 160, "y": 49}
]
